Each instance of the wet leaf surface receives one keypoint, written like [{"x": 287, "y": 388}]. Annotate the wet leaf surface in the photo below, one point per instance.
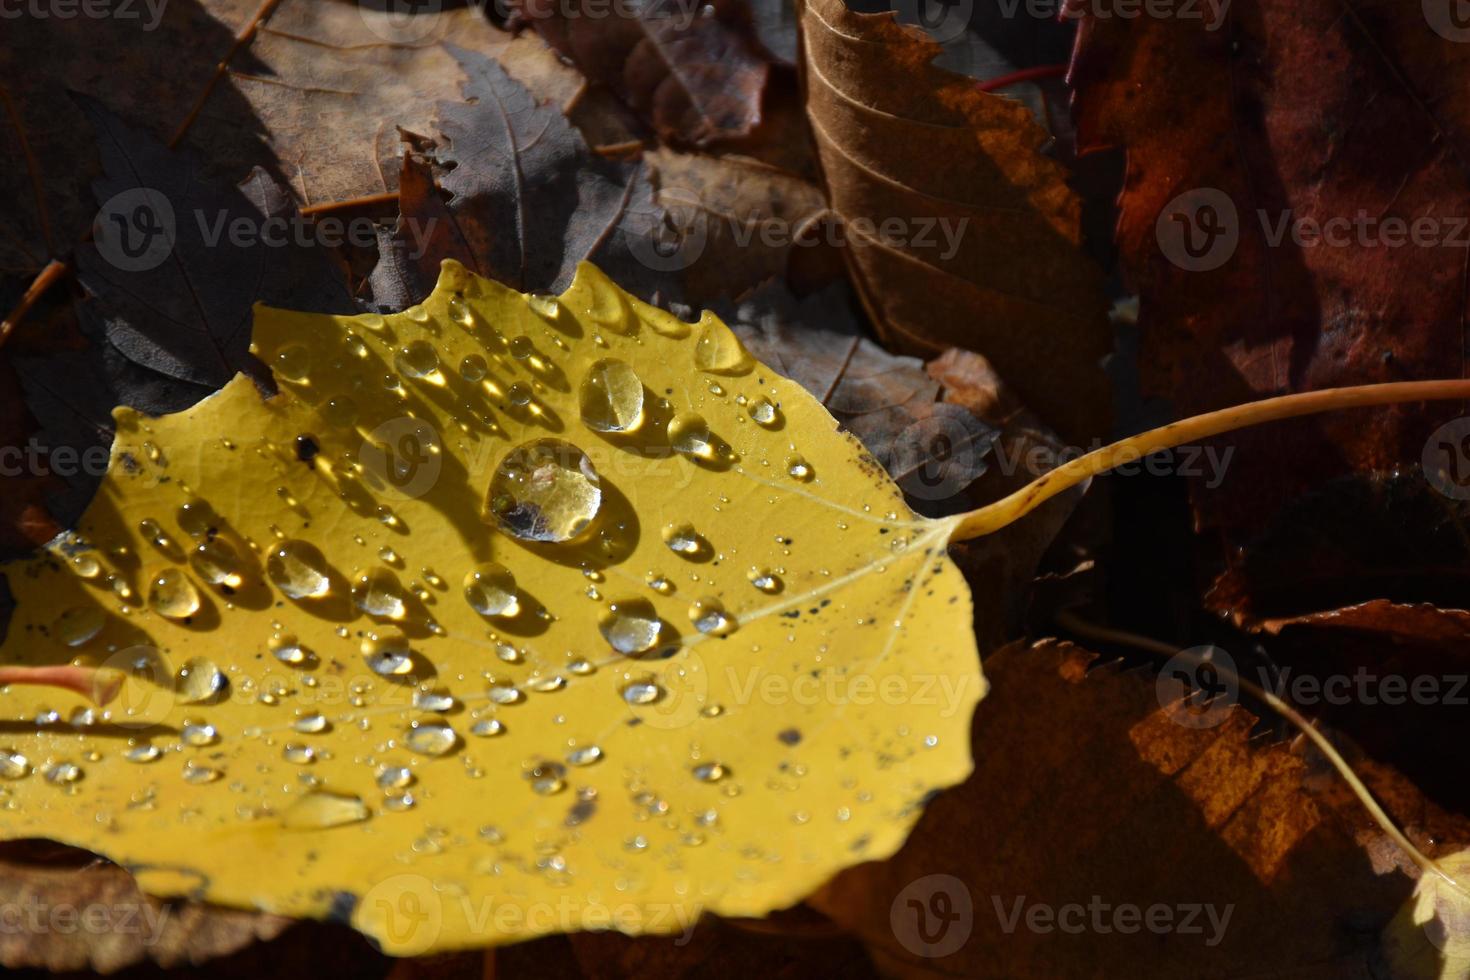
[{"x": 454, "y": 636}]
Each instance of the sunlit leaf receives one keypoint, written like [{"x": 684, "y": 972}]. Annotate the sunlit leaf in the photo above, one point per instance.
[{"x": 507, "y": 615}]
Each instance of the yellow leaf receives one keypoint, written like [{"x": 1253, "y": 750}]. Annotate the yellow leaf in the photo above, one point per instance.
[{"x": 389, "y": 652}]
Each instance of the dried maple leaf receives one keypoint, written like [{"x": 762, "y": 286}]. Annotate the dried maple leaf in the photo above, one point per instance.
[
  {"x": 692, "y": 72},
  {"x": 972, "y": 242},
  {"x": 1245, "y": 150},
  {"x": 527, "y": 198},
  {"x": 783, "y": 541}
]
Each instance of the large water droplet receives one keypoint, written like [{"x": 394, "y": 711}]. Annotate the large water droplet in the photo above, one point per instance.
[
  {"x": 491, "y": 591},
  {"x": 199, "y": 774},
  {"x": 299, "y": 570},
  {"x": 200, "y": 680},
  {"x": 197, "y": 518},
  {"x": 143, "y": 754},
  {"x": 64, "y": 772},
  {"x": 690, "y": 435},
  {"x": 198, "y": 733},
  {"x": 316, "y": 811},
  {"x": 419, "y": 360},
  {"x": 765, "y": 413},
  {"x": 547, "y": 778},
  {"x": 86, "y": 565},
  {"x": 631, "y": 626},
  {"x": 612, "y": 397},
  {"x": 378, "y": 592},
  {"x": 13, "y": 765},
  {"x": 311, "y": 723},
  {"x": 387, "y": 652},
  {"x": 395, "y": 777},
  {"x": 218, "y": 563},
  {"x": 488, "y": 727},
  {"x": 293, "y": 362},
  {"x": 298, "y": 754},
  {"x": 546, "y": 490},
  {"x": 77, "y": 625},
  {"x": 719, "y": 351},
  {"x": 799, "y": 468},
  {"x": 430, "y": 738},
  {"x": 709, "y": 772}
]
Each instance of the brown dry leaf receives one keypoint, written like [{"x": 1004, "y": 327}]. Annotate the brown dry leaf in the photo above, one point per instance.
[
  {"x": 1087, "y": 788},
  {"x": 692, "y": 71},
  {"x": 960, "y": 233},
  {"x": 331, "y": 84},
  {"x": 732, "y": 222},
  {"x": 68, "y": 910}
]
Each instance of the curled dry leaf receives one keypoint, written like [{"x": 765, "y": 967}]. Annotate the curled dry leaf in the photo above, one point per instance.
[
  {"x": 533, "y": 623},
  {"x": 1124, "y": 796},
  {"x": 959, "y": 232}
]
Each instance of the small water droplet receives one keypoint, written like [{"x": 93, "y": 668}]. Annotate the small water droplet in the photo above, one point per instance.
[
  {"x": 63, "y": 772},
  {"x": 631, "y": 626},
  {"x": 200, "y": 681},
  {"x": 765, "y": 580},
  {"x": 311, "y": 723},
  {"x": 395, "y": 777},
  {"x": 488, "y": 727},
  {"x": 460, "y": 312},
  {"x": 198, "y": 733},
  {"x": 287, "y": 649},
  {"x": 642, "y": 692},
  {"x": 218, "y": 563},
  {"x": 378, "y": 592},
  {"x": 611, "y": 397},
  {"x": 437, "y": 701},
  {"x": 765, "y": 413},
  {"x": 86, "y": 565},
  {"x": 709, "y": 772},
  {"x": 299, "y": 570},
  {"x": 545, "y": 490},
  {"x": 491, "y": 591},
  {"x": 799, "y": 468},
  {"x": 709, "y": 616},
  {"x": 682, "y": 539},
  {"x": 430, "y": 738},
  {"x": 506, "y": 694},
  {"x": 143, "y": 754},
  {"x": 584, "y": 755}
]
